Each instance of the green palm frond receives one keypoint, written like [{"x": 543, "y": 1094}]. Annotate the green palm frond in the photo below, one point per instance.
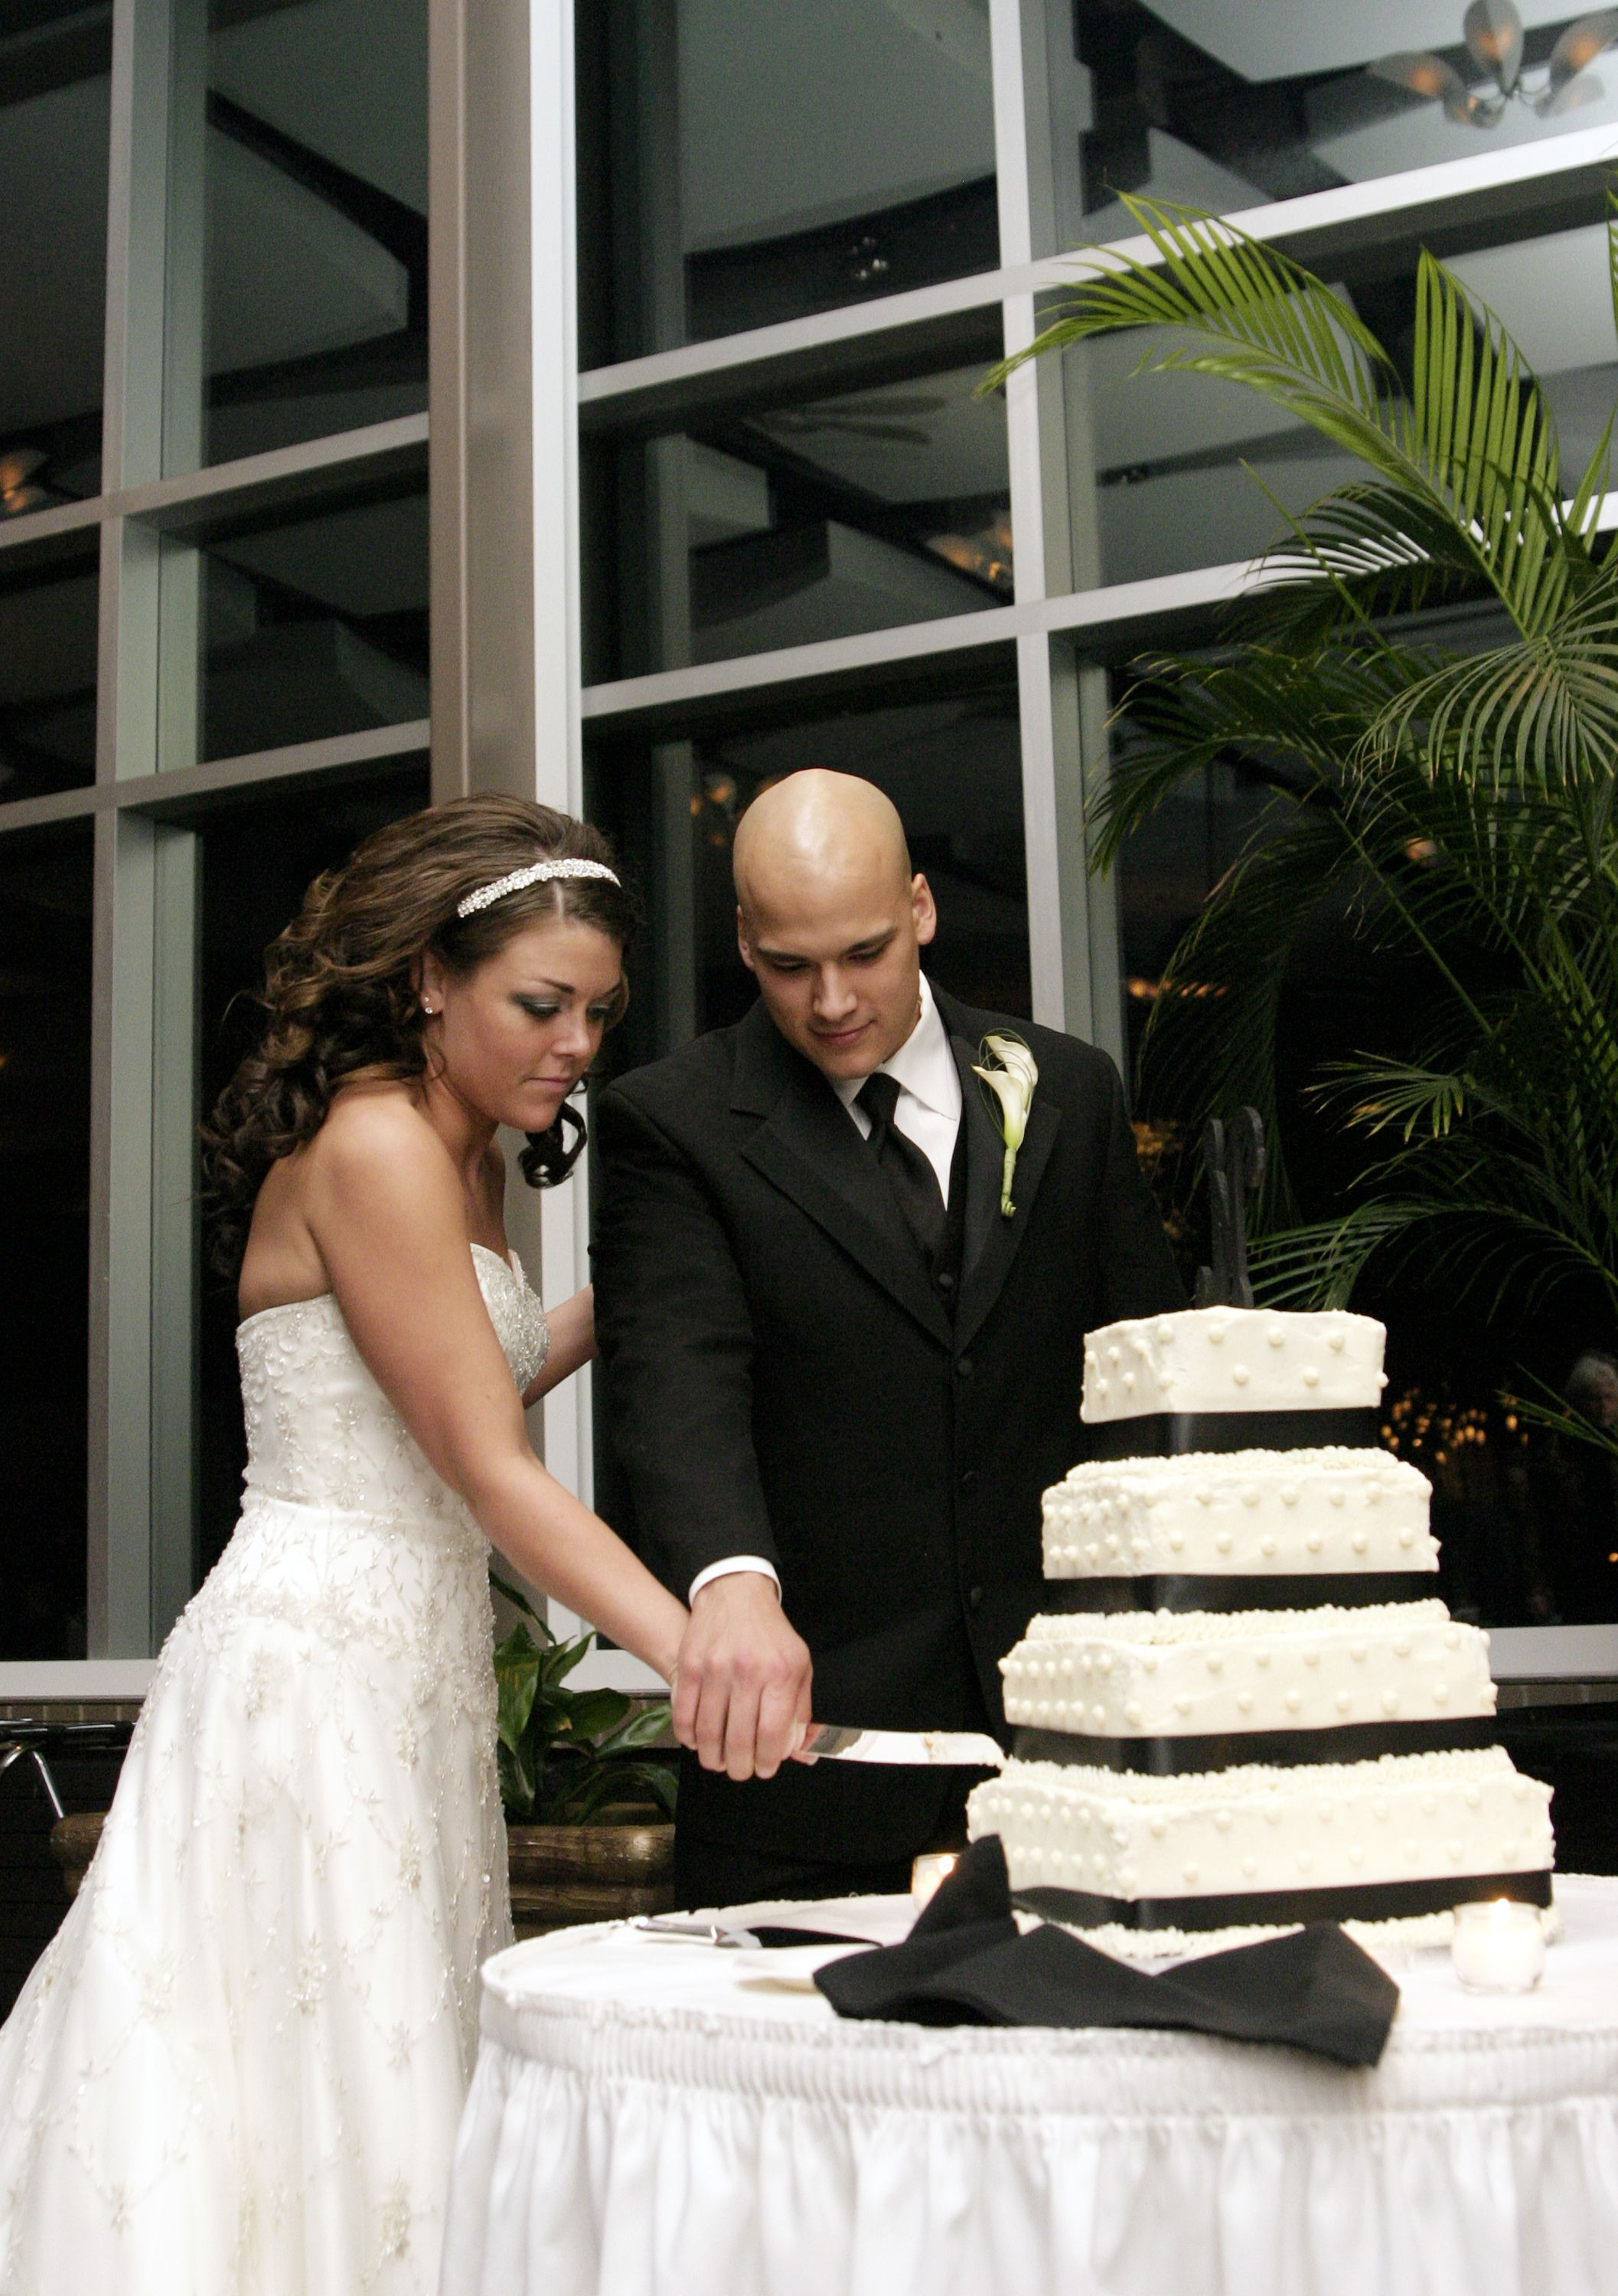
[
  {"x": 1299, "y": 717},
  {"x": 1402, "y": 1096},
  {"x": 1479, "y": 431},
  {"x": 1238, "y": 310},
  {"x": 1542, "y": 710},
  {"x": 1469, "y": 465}
]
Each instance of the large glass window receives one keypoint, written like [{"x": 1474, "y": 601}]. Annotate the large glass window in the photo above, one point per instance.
[
  {"x": 55, "y": 61},
  {"x": 1215, "y": 106},
  {"x": 740, "y": 164},
  {"x": 258, "y": 858},
  {"x": 786, "y": 524},
  {"x": 47, "y": 672},
  {"x": 297, "y": 291},
  {"x": 952, "y": 764},
  {"x": 44, "y": 1238}
]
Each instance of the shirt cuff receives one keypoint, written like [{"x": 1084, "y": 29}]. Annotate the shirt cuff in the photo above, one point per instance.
[{"x": 729, "y": 1568}]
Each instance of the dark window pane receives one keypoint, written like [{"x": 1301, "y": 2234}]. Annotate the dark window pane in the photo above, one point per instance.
[
  {"x": 44, "y": 1242},
  {"x": 953, "y": 767},
  {"x": 47, "y": 674},
  {"x": 740, "y": 165},
  {"x": 305, "y": 624},
  {"x": 781, "y": 526},
  {"x": 300, "y": 307},
  {"x": 55, "y": 58},
  {"x": 1225, "y": 106},
  {"x": 256, "y": 860}
]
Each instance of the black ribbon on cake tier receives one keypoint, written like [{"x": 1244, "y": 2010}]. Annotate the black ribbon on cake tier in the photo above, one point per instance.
[
  {"x": 1229, "y": 1749},
  {"x": 1360, "y": 1901},
  {"x": 1170, "y": 1434},
  {"x": 1303, "y": 1590}
]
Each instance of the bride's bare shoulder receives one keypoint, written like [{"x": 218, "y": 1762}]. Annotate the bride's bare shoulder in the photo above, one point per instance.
[{"x": 377, "y": 1132}]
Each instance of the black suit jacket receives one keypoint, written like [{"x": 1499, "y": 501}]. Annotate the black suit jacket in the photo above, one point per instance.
[{"x": 779, "y": 1377}]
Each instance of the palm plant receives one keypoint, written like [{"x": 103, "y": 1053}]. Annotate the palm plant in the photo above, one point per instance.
[{"x": 1458, "y": 803}]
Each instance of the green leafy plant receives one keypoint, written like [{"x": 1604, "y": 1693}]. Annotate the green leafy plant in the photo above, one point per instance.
[
  {"x": 1457, "y": 802},
  {"x": 567, "y": 1755}
]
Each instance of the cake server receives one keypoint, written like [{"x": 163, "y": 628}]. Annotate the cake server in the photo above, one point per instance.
[{"x": 970, "y": 1750}]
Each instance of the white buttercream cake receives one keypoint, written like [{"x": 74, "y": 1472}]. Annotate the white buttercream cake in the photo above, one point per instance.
[
  {"x": 1233, "y": 1359},
  {"x": 1405, "y": 1817},
  {"x": 1162, "y": 1674},
  {"x": 1150, "y": 1839},
  {"x": 1210, "y": 1513}
]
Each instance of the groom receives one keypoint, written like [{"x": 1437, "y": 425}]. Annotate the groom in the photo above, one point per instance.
[{"x": 837, "y": 1375}]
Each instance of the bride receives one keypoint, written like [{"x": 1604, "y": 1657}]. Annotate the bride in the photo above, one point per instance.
[{"x": 241, "y": 2064}]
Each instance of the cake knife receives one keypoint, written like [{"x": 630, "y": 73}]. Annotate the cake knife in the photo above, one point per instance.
[{"x": 969, "y": 1749}]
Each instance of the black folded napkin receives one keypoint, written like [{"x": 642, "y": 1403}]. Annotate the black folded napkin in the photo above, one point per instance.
[{"x": 964, "y": 1963}]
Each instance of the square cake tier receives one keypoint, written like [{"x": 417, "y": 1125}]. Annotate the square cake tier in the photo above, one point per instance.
[
  {"x": 1234, "y": 1513},
  {"x": 1233, "y": 1359},
  {"x": 1162, "y": 1674},
  {"x": 1405, "y": 1834}
]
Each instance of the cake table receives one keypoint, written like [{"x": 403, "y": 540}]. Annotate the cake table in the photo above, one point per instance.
[{"x": 650, "y": 2119}]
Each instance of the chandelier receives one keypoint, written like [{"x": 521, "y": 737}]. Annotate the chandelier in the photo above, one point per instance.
[{"x": 1493, "y": 33}]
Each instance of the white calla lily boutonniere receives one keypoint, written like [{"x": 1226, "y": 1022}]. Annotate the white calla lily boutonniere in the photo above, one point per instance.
[{"x": 1011, "y": 1082}]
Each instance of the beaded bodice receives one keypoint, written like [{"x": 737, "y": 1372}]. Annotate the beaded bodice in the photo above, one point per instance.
[{"x": 320, "y": 1431}]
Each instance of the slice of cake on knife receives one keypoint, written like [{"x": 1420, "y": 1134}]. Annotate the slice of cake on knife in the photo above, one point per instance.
[{"x": 1247, "y": 1708}]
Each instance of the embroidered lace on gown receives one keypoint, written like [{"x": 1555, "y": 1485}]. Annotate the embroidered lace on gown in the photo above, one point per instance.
[{"x": 241, "y": 2064}]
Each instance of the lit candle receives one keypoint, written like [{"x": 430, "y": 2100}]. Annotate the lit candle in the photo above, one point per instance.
[
  {"x": 935, "y": 1865},
  {"x": 1498, "y": 1948}
]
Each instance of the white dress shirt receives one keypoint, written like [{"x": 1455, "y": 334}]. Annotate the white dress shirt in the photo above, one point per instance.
[
  {"x": 928, "y": 1112},
  {"x": 929, "y": 1107}
]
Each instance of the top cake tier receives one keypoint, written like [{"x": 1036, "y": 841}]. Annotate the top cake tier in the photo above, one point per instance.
[{"x": 1233, "y": 1359}]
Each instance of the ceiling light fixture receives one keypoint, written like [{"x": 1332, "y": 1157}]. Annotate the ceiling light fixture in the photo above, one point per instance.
[
  {"x": 16, "y": 469},
  {"x": 1493, "y": 33}
]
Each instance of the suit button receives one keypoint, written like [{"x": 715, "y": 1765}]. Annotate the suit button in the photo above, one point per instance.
[
  {"x": 974, "y": 1599},
  {"x": 963, "y": 1369},
  {"x": 969, "y": 1476},
  {"x": 945, "y": 1281}
]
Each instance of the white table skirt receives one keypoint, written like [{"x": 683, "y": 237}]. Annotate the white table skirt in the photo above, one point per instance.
[{"x": 651, "y": 2119}]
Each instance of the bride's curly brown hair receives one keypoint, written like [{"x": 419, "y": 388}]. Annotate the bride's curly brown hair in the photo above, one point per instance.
[{"x": 342, "y": 983}]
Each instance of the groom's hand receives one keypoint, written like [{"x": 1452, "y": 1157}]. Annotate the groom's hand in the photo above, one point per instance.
[{"x": 741, "y": 1685}]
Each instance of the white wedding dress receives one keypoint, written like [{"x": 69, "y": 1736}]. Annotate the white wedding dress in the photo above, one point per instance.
[{"x": 241, "y": 2065}]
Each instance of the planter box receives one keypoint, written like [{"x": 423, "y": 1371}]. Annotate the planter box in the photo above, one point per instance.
[
  {"x": 73, "y": 1842},
  {"x": 562, "y": 1875}
]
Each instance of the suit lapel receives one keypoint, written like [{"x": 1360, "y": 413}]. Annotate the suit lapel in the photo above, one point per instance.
[
  {"x": 807, "y": 1147},
  {"x": 993, "y": 1240}
]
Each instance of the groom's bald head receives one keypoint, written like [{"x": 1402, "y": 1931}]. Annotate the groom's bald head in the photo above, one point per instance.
[
  {"x": 831, "y": 919},
  {"x": 814, "y": 827}
]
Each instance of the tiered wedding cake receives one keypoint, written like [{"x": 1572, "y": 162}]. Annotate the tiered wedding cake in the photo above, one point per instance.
[{"x": 1249, "y": 1709}]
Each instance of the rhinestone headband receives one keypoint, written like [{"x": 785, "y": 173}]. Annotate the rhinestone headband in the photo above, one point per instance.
[{"x": 538, "y": 873}]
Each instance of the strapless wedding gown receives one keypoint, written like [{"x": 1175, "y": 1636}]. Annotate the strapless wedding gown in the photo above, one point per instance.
[{"x": 241, "y": 2065}]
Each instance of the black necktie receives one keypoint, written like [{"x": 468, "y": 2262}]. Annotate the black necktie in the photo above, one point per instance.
[{"x": 909, "y": 1173}]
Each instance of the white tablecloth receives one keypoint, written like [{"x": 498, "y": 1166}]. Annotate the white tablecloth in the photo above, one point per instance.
[{"x": 652, "y": 2119}]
